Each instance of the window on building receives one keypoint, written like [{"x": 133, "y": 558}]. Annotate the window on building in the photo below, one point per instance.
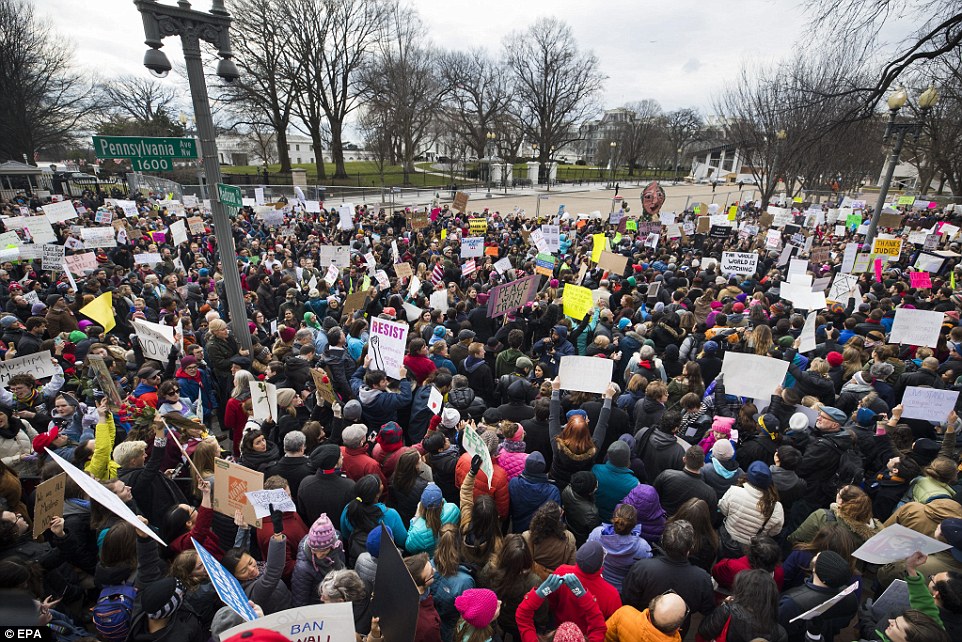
[
  {"x": 311, "y": 161},
  {"x": 297, "y": 148},
  {"x": 298, "y": 160}
]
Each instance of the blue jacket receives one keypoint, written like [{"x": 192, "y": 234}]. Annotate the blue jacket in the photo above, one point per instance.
[
  {"x": 190, "y": 389},
  {"x": 622, "y": 551},
  {"x": 421, "y": 539},
  {"x": 379, "y": 407},
  {"x": 389, "y": 517},
  {"x": 444, "y": 362},
  {"x": 527, "y": 494},
  {"x": 445, "y": 591},
  {"x": 614, "y": 483}
]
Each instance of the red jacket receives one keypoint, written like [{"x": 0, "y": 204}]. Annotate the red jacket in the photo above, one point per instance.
[
  {"x": 588, "y": 612},
  {"x": 725, "y": 571},
  {"x": 357, "y": 464},
  {"x": 234, "y": 420},
  {"x": 565, "y": 605},
  {"x": 429, "y": 622},
  {"x": 387, "y": 459},
  {"x": 294, "y": 529},
  {"x": 499, "y": 489},
  {"x": 202, "y": 533}
]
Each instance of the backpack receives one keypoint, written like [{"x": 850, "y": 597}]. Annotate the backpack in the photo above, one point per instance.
[
  {"x": 112, "y": 614},
  {"x": 850, "y": 471},
  {"x": 356, "y": 544}
]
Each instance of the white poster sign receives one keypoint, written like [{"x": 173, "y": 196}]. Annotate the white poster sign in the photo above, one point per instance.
[
  {"x": 916, "y": 327},
  {"x": 387, "y": 342},
  {"x": 59, "y": 212},
  {"x": 753, "y": 376},
  {"x": 53, "y": 256},
  {"x": 439, "y": 300},
  {"x": 262, "y": 500},
  {"x": 178, "y": 230},
  {"x": 40, "y": 230},
  {"x": 739, "y": 262},
  {"x": 334, "y": 622},
  {"x": 843, "y": 287},
  {"x": 337, "y": 255},
  {"x": 928, "y": 403},
  {"x": 587, "y": 374},
  {"x": 345, "y": 215},
  {"x": 895, "y": 543},
  {"x": 807, "y": 337},
  {"x": 848, "y": 259},
  {"x": 263, "y": 400},
  {"x": 552, "y": 236},
  {"x": 155, "y": 339},
  {"x": 38, "y": 364},
  {"x": 472, "y": 246},
  {"x": 98, "y": 237}
]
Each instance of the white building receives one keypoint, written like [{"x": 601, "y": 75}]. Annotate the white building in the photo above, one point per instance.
[
  {"x": 720, "y": 162},
  {"x": 234, "y": 149}
]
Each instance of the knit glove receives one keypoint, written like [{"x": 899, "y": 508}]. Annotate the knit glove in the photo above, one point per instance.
[
  {"x": 476, "y": 464},
  {"x": 277, "y": 519},
  {"x": 549, "y": 586},
  {"x": 572, "y": 582}
]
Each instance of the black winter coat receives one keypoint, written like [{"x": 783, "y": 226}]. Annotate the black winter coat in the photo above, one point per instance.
[{"x": 323, "y": 493}]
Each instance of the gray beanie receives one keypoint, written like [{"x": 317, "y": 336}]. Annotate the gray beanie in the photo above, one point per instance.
[{"x": 619, "y": 454}]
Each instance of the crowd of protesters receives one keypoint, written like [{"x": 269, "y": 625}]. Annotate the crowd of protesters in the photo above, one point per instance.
[{"x": 659, "y": 507}]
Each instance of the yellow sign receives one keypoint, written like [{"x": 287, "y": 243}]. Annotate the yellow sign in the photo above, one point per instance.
[
  {"x": 478, "y": 226},
  {"x": 444, "y": 234},
  {"x": 888, "y": 247},
  {"x": 577, "y": 301},
  {"x": 101, "y": 310},
  {"x": 597, "y": 247},
  {"x": 732, "y": 212}
]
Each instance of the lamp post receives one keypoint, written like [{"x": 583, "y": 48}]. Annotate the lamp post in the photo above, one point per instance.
[
  {"x": 548, "y": 167},
  {"x": 161, "y": 21},
  {"x": 677, "y": 162},
  {"x": 612, "y": 146},
  {"x": 184, "y": 121},
  {"x": 490, "y": 137},
  {"x": 898, "y": 130}
]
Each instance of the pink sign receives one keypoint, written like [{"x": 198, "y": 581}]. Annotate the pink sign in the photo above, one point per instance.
[
  {"x": 920, "y": 280},
  {"x": 878, "y": 270},
  {"x": 159, "y": 237}
]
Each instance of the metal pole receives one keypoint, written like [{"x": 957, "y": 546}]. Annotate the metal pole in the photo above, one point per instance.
[
  {"x": 222, "y": 222},
  {"x": 884, "y": 187}
]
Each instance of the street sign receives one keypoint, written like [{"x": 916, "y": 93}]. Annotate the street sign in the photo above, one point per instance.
[
  {"x": 152, "y": 164},
  {"x": 141, "y": 147},
  {"x": 229, "y": 195}
]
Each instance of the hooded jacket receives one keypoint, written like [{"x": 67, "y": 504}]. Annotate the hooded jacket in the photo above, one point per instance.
[
  {"x": 379, "y": 406},
  {"x": 721, "y": 474},
  {"x": 309, "y": 571},
  {"x": 622, "y": 551},
  {"x": 529, "y": 491},
  {"x": 925, "y": 518},
  {"x": 480, "y": 378},
  {"x": 581, "y": 514},
  {"x": 659, "y": 451},
  {"x": 465, "y": 401},
  {"x": 818, "y": 466},
  {"x": 614, "y": 483},
  {"x": 420, "y": 537}
]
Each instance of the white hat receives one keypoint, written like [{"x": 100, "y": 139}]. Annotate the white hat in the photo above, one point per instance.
[
  {"x": 450, "y": 418},
  {"x": 798, "y": 421}
]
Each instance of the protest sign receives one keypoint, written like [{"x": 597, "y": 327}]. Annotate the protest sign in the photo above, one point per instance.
[
  {"x": 396, "y": 596},
  {"x": 105, "y": 381},
  {"x": 262, "y": 500},
  {"x": 263, "y": 400},
  {"x": 178, "y": 231},
  {"x": 916, "y": 327},
  {"x": 39, "y": 229},
  {"x": 753, "y": 376},
  {"x": 103, "y": 496},
  {"x": 587, "y": 374},
  {"x": 801, "y": 295},
  {"x": 345, "y": 215},
  {"x": 357, "y": 300},
  {"x": 336, "y": 255},
  {"x": 797, "y": 267},
  {"x": 614, "y": 263},
  {"x": 403, "y": 270},
  {"x": 598, "y": 245},
  {"x": 503, "y": 265},
  {"x": 231, "y": 485},
  {"x": 895, "y": 599},
  {"x": 739, "y": 262},
  {"x": 53, "y": 255},
  {"x": 460, "y": 201},
  {"x": 148, "y": 258},
  {"x": 323, "y": 386},
  {"x": 577, "y": 301},
  {"x": 819, "y": 284},
  {"x": 848, "y": 259},
  {"x": 439, "y": 300},
  {"x": 928, "y": 403},
  {"x": 155, "y": 339},
  {"x": 773, "y": 239},
  {"x": 59, "y": 212},
  {"x": 920, "y": 280},
  {"x": 435, "y": 400},
  {"x": 807, "y": 337},
  {"x": 822, "y": 608},
  {"x": 80, "y": 263},
  {"x": 507, "y": 297},
  {"x": 329, "y": 622},
  {"x": 39, "y": 364},
  {"x": 543, "y": 264},
  {"x": 474, "y": 445},
  {"x": 388, "y": 340},
  {"x": 478, "y": 226},
  {"x": 472, "y": 246},
  {"x": 227, "y": 586},
  {"x": 98, "y": 237},
  {"x": 843, "y": 287},
  {"x": 48, "y": 502},
  {"x": 888, "y": 247},
  {"x": 196, "y": 225},
  {"x": 552, "y": 236},
  {"x": 895, "y": 543}
]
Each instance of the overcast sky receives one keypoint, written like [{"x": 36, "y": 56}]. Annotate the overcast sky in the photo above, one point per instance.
[{"x": 678, "y": 52}]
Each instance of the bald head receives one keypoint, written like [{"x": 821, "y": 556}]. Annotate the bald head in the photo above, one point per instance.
[
  {"x": 930, "y": 363},
  {"x": 668, "y": 612}
]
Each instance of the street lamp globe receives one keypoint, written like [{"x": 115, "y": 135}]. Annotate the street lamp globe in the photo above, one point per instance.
[
  {"x": 929, "y": 97},
  {"x": 156, "y": 62},
  {"x": 227, "y": 70},
  {"x": 898, "y": 99}
]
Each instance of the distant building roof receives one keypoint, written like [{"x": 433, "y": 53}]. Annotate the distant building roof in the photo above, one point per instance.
[{"x": 14, "y": 168}]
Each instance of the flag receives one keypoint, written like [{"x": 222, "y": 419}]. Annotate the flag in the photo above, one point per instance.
[
  {"x": 101, "y": 310},
  {"x": 470, "y": 267},
  {"x": 437, "y": 274}
]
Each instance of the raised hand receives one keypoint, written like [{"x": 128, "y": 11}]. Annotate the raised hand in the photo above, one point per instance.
[{"x": 551, "y": 584}]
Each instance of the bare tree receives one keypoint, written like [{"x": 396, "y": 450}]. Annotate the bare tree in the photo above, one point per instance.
[
  {"x": 682, "y": 127},
  {"x": 936, "y": 154},
  {"x": 140, "y": 98},
  {"x": 640, "y": 136},
  {"x": 376, "y": 133},
  {"x": 43, "y": 99},
  {"x": 402, "y": 82},
  {"x": 477, "y": 93},
  {"x": 264, "y": 95},
  {"x": 556, "y": 86}
]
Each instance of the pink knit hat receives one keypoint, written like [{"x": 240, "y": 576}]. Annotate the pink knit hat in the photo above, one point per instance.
[
  {"x": 723, "y": 425},
  {"x": 518, "y": 435},
  {"x": 322, "y": 534},
  {"x": 477, "y": 607}
]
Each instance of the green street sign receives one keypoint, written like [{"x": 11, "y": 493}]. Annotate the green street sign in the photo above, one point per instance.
[
  {"x": 152, "y": 164},
  {"x": 229, "y": 195},
  {"x": 144, "y": 147}
]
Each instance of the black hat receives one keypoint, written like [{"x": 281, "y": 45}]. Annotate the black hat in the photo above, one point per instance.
[{"x": 326, "y": 456}]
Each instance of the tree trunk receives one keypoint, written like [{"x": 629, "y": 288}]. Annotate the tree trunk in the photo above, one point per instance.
[
  {"x": 337, "y": 148},
  {"x": 282, "y": 153},
  {"x": 318, "y": 151}
]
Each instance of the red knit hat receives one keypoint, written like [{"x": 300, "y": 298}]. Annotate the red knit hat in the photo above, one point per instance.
[
  {"x": 45, "y": 439},
  {"x": 834, "y": 359}
]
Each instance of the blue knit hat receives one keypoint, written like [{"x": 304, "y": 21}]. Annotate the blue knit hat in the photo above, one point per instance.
[{"x": 374, "y": 540}]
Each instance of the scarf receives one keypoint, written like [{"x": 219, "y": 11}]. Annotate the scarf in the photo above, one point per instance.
[
  {"x": 513, "y": 446},
  {"x": 721, "y": 470}
]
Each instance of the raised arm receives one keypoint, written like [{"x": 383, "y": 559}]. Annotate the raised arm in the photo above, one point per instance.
[
  {"x": 601, "y": 428},
  {"x": 554, "y": 415}
]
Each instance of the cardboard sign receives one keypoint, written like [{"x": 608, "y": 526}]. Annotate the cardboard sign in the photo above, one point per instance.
[
  {"x": 103, "y": 496},
  {"x": 355, "y": 301},
  {"x": 334, "y": 621},
  {"x": 928, "y": 403},
  {"x": 507, "y": 297},
  {"x": 587, "y": 374},
  {"x": 227, "y": 586},
  {"x": 753, "y": 376},
  {"x": 105, "y": 381},
  {"x": 403, "y": 270},
  {"x": 895, "y": 543},
  {"x": 460, "y": 201},
  {"x": 739, "y": 262},
  {"x": 196, "y": 225},
  {"x": 614, "y": 263},
  {"x": 387, "y": 343},
  {"x": 48, "y": 503},
  {"x": 232, "y": 482},
  {"x": 916, "y": 327},
  {"x": 474, "y": 445},
  {"x": 39, "y": 364},
  {"x": 325, "y": 390}
]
